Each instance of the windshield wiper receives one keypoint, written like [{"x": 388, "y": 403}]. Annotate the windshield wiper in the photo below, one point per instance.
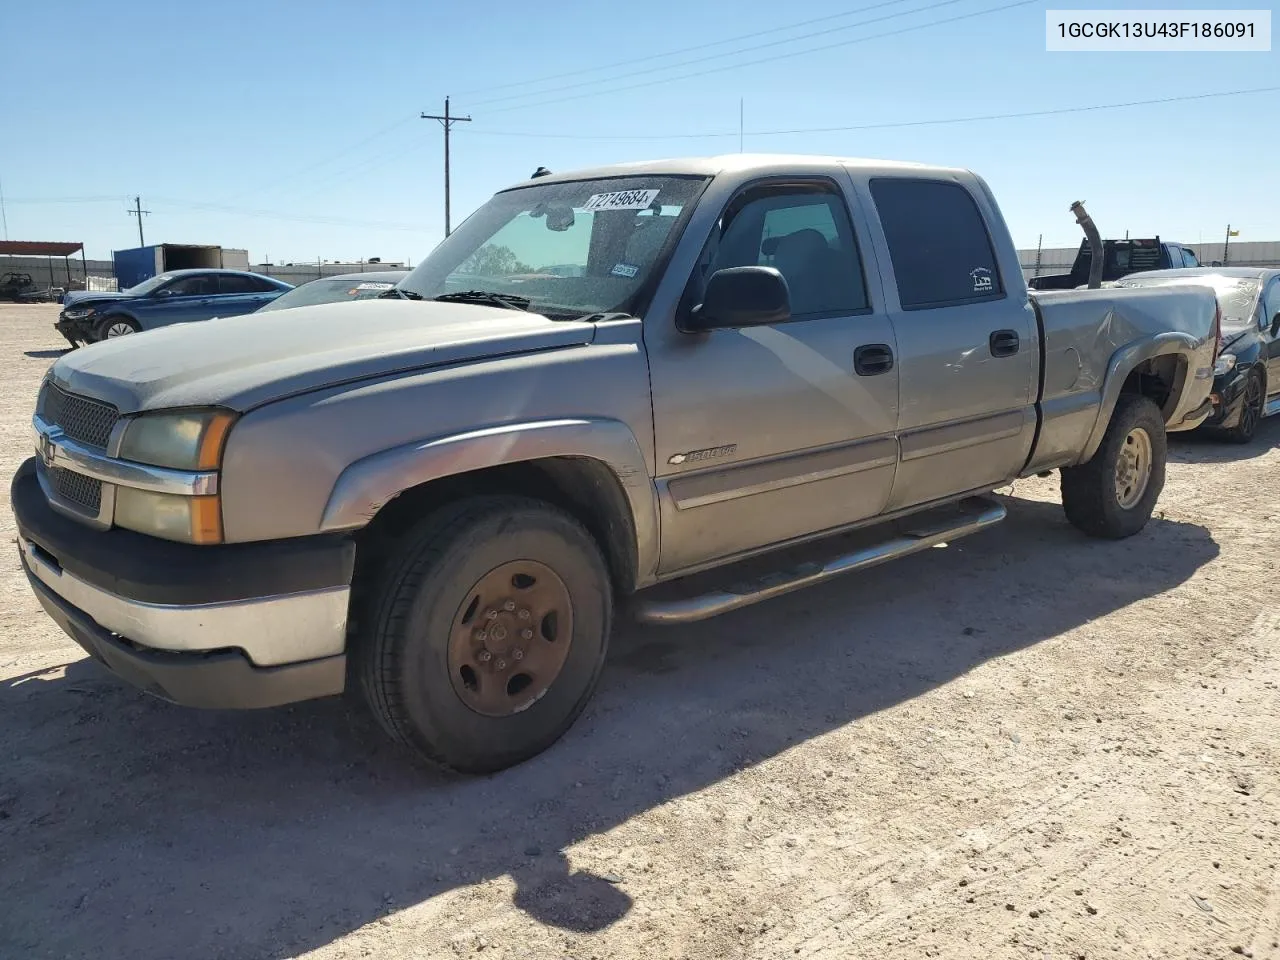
[
  {"x": 508, "y": 300},
  {"x": 395, "y": 293}
]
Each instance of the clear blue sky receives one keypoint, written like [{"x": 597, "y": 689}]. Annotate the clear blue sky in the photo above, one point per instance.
[{"x": 229, "y": 118}]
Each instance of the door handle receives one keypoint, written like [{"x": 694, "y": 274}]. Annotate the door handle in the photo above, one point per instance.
[
  {"x": 871, "y": 359},
  {"x": 1004, "y": 343}
]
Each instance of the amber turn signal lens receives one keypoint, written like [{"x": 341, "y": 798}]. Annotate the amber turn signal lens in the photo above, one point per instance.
[{"x": 211, "y": 443}]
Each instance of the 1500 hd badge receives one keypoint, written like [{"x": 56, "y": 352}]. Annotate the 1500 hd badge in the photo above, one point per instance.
[{"x": 710, "y": 453}]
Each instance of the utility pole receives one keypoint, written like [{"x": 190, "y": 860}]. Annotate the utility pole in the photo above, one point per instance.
[
  {"x": 1039, "y": 248},
  {"x": 1226, "y": 259},
  {"x": 137, "y": 211},
  {"x": 447, "y": 122},
  {"x": 4, "y": 218}
]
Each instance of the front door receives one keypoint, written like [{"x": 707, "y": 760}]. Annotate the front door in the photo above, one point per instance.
[
  {"x": 1270, "y": 306},
  {"x": 967, "y": 340},
  {"x": 773, "y": 433},
  {"x": 187, "y": 298}
]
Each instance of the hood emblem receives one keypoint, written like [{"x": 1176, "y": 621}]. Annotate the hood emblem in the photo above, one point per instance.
[{"x": 709, "y": 453}]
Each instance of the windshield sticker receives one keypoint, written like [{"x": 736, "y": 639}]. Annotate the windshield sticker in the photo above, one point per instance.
[
  {"x": 982, "y": 282},
  {"x": 374, "y": 286},
  {"x": 625, "y": 270},
  {"x": 622, "y": 200}
]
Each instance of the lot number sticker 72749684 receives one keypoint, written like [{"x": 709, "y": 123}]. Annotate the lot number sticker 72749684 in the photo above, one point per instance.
[{"x": 622, "y": 200}]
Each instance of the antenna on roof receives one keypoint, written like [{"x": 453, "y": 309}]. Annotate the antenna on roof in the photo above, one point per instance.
[{"x": 540, "y": 172}]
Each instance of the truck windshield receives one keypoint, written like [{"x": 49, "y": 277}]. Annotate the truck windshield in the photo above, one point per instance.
[
  {"x": 1237, "y": 296},
  {"x": 569, "y": 249}
]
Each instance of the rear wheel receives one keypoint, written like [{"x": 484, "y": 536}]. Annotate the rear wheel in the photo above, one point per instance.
[
  {"x": 488, "y": 634},
  {"x": 1252, "y": 403},
  {"x": 1112, "y": 496},
  {"x": 112, "y": 327}
]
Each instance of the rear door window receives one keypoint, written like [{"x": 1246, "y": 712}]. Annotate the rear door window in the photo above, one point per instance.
[
  {"x": 938, "y": 242},
  {"x": 235, "y": 283}
]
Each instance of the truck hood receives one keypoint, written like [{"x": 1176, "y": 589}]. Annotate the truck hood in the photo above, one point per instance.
[{"x": 246, "y": 361}]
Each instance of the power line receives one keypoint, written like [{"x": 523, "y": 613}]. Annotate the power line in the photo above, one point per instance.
[
  {"x": 731, "y": 53},
  {"x": 760, "y": 60},
  {"x": 270, "y": 184},
  {"x": 875, "y": 126},
  {"x": 362, "y": 166},
  {"x": 684, "y": 50},
  {"x": 102, "y": 198},
  {"x": 674, "y": 53},
  {"x": 292, "y": 218}
]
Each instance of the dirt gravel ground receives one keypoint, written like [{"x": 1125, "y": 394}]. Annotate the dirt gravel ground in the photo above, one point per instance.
[{"x": 1027, "y": 744}]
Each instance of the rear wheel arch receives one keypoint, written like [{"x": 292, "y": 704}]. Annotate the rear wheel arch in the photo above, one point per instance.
[{"x": 1158, "y": 368}]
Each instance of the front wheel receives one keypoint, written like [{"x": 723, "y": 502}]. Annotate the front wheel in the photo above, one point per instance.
[
  {"x": 488, "y": 634},
  {"x": 1112, "y": 496},
  {"x": 112, "y": 327}
]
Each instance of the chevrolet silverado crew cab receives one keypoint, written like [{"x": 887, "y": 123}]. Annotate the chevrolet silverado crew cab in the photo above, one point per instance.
[{"x": 679, "y": 386}]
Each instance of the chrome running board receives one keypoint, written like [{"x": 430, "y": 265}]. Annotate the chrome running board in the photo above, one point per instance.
[
  {"x": 1272, "y": 408},
  {"x": 912, "y": 534}
]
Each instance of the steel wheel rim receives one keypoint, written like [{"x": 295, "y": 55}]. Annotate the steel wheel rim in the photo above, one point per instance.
[
  {"x": 510, "y": 638},
  {"x": 119, "y": 330},
  {"x": 1252, "y": 406},
  {"x": 1133, "y": 468}
]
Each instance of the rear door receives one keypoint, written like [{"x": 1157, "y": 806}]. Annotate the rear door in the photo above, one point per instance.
[
  {"x": 240, "y": 293},
  {"x": 968, "y": 350},
  {"x": 778, "y": 432}
]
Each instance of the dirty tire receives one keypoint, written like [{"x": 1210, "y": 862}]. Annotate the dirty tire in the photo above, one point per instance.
[
  {"x": 1255, "y": 399},
  {"x": 1089, "y": 491},
  {"x": 402, "y": 662}
]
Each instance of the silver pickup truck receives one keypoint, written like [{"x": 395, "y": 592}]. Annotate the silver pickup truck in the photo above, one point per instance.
[{"x": 679, "y": 386}]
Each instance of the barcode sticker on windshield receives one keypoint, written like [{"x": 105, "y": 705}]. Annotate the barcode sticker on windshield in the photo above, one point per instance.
[
  {"x": 367, "y": 285},
  {"x": 622, "y": 200}
]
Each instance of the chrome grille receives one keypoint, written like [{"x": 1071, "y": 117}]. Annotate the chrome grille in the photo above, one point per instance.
[
  {"x": 77, "y": 488},
  {"x": 82, "y": 419}
]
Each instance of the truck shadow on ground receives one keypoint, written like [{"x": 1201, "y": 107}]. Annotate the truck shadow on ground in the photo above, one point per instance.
[
  {"x": 1199, "y": 446},
  {"x": 136, "y": 829}
]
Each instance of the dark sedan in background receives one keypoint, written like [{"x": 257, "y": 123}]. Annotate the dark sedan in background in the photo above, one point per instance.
[
  {"x": 179, "y": 296},
  {"x": 1246, "y": 385},
  {"x": 342, "y": 288}
]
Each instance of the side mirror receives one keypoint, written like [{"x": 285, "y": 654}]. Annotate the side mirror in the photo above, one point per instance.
[
  {"x": 741, "y": 297},
  {"x": 164, "y": 293}
]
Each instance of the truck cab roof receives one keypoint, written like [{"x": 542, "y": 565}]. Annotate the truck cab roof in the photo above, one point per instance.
[{"x": 740, "y": 163}]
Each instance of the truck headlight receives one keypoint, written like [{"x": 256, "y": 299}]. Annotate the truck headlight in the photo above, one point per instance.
[
  {"x": 1225, "y": 364},
  {"x": 181, "y": 441},
  {"x": 191, "y": 441}
]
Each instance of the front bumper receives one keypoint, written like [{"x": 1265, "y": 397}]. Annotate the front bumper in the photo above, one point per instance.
[
  {"x": 73, "y": 330},
  {"x": 1228, "y": 401},
  {"x": 239, "y": 625}
]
